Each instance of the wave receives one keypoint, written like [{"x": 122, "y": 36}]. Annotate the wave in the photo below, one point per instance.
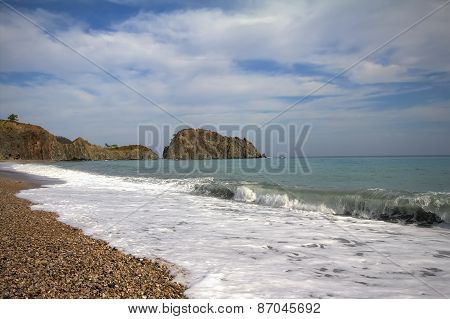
[
  {"x": 216, "y": 190},
  {"x": 378, "y": 204},
  {"x": 245, "y": 194}
]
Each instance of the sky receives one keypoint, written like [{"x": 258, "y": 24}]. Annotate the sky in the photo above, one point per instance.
[{"x": 233, "y": 62}]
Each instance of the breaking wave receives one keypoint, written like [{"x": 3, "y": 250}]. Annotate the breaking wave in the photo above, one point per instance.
[
  {"x": 378, "y": 204},
  {"x": 425, "y": 208}
]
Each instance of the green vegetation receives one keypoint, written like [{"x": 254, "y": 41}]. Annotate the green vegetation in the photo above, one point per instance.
[{"x": 13, "y": 117}]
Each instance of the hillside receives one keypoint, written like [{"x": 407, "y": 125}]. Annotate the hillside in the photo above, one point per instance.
[
  {"x": 204, "y": 144},
  {"x": 19, "y": 141}
]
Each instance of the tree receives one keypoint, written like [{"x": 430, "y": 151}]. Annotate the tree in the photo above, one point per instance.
[{"x": 13, "y": 117}]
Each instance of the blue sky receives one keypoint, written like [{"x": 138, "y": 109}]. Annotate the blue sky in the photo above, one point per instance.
[{"x": 215, "y": 62}]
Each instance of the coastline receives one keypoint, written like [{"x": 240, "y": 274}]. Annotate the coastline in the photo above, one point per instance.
[
  {"x": 41, "y": 257},
  {"x": 227, "y": 245}
]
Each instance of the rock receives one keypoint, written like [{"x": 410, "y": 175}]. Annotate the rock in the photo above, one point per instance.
[
  {"x": 63, "y": 140},
  {"x": 19, "y": 141},
  {"x": 204, "y": 144}
]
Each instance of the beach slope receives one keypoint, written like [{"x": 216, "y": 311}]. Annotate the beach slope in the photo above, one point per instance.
[{"x": 41, "y": 257}]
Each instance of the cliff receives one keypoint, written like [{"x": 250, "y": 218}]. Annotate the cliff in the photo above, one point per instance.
[
  {"x": 203, "y": 144},
  {"x": 32, "y": 142}
]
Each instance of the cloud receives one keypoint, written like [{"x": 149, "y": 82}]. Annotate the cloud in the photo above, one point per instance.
[
  {"x": 187, "y": 60},
  {"x": 368, "y": 72}
]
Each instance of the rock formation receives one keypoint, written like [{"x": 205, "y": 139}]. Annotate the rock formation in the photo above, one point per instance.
[
  {"x": 32, "y": 142},
  {"x": 203, "y": 144}
]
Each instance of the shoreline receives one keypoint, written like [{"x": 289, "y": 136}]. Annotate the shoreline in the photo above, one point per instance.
[{"x": 41, "y": 257}]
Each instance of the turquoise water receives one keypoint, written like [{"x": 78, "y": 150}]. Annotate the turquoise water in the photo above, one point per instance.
[
  {"x": 386, "y": 188},
  {"x": 231, "y": 233}
]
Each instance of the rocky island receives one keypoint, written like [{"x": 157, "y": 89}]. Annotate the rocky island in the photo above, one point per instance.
[
  {"x": 19, "y": 141},
  {"x": 204, "y": 144}
]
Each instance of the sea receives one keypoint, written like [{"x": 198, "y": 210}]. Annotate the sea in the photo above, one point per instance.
[{"x": 344, "y": 227}]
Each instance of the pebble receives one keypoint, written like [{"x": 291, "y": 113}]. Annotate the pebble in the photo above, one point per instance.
[{"x": 41, "y": 257}]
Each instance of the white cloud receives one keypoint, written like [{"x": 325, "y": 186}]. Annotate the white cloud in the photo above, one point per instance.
[
  {"x": 184, "y": 60},
  {"x": 368, "y": 72}
]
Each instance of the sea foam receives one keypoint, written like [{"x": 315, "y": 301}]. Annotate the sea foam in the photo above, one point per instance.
[{"x": 253, "y": 246}]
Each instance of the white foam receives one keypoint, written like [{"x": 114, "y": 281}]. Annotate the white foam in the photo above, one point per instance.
[
  {"x": 245, "y": 194},
  {"x": 237, "y": 249}
]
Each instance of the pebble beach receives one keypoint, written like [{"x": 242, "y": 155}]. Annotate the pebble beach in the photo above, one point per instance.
[{"x": 41, "y": 257}]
